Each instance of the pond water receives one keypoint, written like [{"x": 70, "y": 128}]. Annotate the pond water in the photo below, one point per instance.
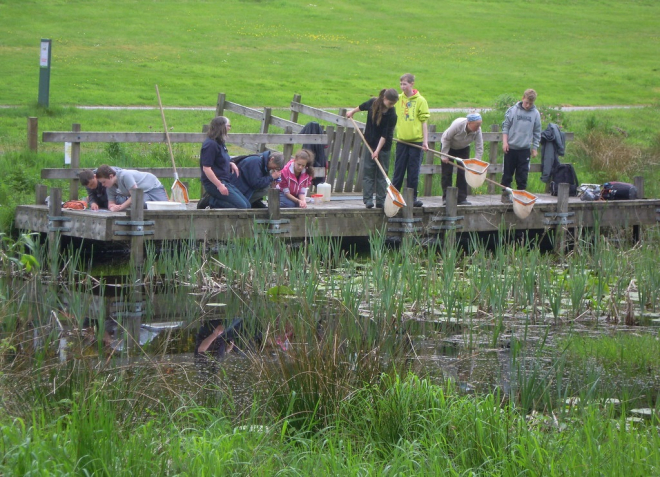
[{"x": 159, "y": 328}]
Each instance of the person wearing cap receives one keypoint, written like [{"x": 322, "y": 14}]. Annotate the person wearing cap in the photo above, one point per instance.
[{"x": 456, "y": 142}]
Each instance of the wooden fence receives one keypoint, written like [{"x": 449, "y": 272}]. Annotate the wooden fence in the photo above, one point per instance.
[{"x": 344, "y": 170}]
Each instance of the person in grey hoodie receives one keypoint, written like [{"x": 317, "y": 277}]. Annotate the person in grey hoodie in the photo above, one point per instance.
[{"x": 521, "y": 134}]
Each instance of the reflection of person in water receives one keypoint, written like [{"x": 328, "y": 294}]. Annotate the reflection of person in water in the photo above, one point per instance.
[{"x": 214, "y": 340}]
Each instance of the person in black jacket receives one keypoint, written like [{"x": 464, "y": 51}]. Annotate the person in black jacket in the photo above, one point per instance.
[
  {"x": 379, "y": 130},
  {"x": 97, "y": 198},
  {"x": 256, "y": 174}
]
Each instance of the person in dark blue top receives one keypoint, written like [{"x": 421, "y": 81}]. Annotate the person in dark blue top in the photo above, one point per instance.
[
  {"x": 217, "y": 168},
  {"x": 257, "y": 174}
]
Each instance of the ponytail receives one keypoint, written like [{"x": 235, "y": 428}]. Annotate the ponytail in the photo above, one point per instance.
[{"x": 378, "y": 108}]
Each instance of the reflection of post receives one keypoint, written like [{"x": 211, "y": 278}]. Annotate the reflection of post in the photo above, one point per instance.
[
  {"x": 134, "y": 318},
  {"x": 54, "y": 226},
  {"x": 451, "y": 210},
  {"x": 137, "y": 216},
  {"x": 562, "y": 209}
]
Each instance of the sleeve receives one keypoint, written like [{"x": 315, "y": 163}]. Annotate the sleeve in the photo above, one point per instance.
[
  {"x": 207, "y": 154},
  {"x": 446, "y": 138},
  {"x": 366, "y": 105},
  {"x": 127, "y": 182},
  {"x": 479, "y": 145},
  {"x": 537, "y": 131},
  {"x": 423, "y": 112},
  {"x": 91, "y": 196},
  {"x": 391, "y": 125},
  {"x": 111, "y": 193},
  {"x": 506, "y": 124}
]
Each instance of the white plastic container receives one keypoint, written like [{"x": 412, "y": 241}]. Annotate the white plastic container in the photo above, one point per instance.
[
  {"x": 164, "y": 205},
  {"x": 325, "y": 189}
]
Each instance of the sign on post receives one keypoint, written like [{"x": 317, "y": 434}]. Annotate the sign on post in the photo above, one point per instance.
[{"x": 44, "y": 72}]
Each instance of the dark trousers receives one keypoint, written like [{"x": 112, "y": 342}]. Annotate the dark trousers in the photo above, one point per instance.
[
  {"x": 407, "y": 163},
  {"x": 235, "y": 199},
  {"x": 516, "y": 161},
  {"x": 447, "y": 171}
]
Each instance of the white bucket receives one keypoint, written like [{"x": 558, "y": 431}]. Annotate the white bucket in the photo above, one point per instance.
[
  {"x": 164, "y": 205},
  {"x": 325, "y": 189}
]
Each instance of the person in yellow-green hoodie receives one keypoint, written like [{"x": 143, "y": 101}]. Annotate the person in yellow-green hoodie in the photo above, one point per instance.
[{"x": 413, "y": 113}]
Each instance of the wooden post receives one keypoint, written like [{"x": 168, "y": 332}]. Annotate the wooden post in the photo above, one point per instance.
[
  {"x": 265, "y": 123},
  {"x": 562, "y": 208},
  {"x": 407, "y": 212},
  {"x": 639, "y": 185},
  {"x": 75, "y": 164},
  {"x": 54, "y": 211},
  {"x": 137, "y": 241},
  {"x": 40, "y": 194},
  {"x": 451, "y": 210},
  {"x": 430, "y": 157},
  {"x": 492, "y": 159},
  {"x": 33, "y": 133},
  {"x": 294, "y": 114},
  {"x": 273, "y": 204},
  {"x": 287, "y": 150},
  {"x": 220, "y": 106}
]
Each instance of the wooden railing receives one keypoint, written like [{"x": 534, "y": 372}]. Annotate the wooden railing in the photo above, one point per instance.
[{"x": 344, "y": 170}]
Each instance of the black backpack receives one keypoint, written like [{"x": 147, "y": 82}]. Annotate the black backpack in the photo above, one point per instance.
[
  {"x": 564, "y": 173},
  {"x": 618, "y": 191}
]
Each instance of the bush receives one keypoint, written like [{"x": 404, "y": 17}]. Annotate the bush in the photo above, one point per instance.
[{"x": 609, "y": 158}]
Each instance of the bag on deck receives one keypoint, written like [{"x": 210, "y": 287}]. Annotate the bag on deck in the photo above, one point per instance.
[
  {"x": 75, "y": 205},
  {"x": 618, "y": 191},
  {"x": 564, "y": 173}
]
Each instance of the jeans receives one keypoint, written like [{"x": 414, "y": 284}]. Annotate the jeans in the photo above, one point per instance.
[
  {"x": 235, "y": 199},
  {"x": 408, "y": 160},
  {"x": 373, "y": 178},
  {"x": 448, "y": 170},
  {"x": 516, "y": 161}
]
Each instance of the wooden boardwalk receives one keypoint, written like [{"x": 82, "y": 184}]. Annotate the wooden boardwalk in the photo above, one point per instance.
[{"x": 344, "y": 216}]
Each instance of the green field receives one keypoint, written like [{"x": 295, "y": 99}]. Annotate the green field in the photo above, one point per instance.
[{"x": 333, "y": 53}]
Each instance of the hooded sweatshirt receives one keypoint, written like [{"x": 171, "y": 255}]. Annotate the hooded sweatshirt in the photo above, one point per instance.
[
  {"x": 411, "y": 113},
  {"x": 522, "y": 127}
]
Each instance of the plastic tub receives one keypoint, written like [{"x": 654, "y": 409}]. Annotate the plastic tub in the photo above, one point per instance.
[{"x": 164, "y": 205}]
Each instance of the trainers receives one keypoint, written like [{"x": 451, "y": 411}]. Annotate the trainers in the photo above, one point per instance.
[
  {"x": 418, "y": 203},
  {"x": 380, "y": 206},
  {"x": 259, "y": 204},
  {"x": 506, "y": 198},
  {"x": 465, "y": 202},
  {"x": 369, "y": 205}
]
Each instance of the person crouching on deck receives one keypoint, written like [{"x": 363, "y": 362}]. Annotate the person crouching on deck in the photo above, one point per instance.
[
  {"x": 296, "y": 176},
  {"x": 123, "y": 181},
  {"x": 217, "y": 168}
]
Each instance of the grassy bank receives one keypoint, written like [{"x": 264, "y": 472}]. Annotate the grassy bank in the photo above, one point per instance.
[{"x": 334, "y": 53}]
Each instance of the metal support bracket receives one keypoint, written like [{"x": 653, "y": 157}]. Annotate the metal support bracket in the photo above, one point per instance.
[
  {"x": 274, "y": 226},
  {"x": 137, "y": 226},
  {"x": 407, "y": 225},
  {"x": 452, "y": 225},
  {"x": 558, "y": 218},
  {"x": 52, "y": 220}
]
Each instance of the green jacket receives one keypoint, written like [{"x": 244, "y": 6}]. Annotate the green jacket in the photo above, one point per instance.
[{"x": 411, "y": 113}]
